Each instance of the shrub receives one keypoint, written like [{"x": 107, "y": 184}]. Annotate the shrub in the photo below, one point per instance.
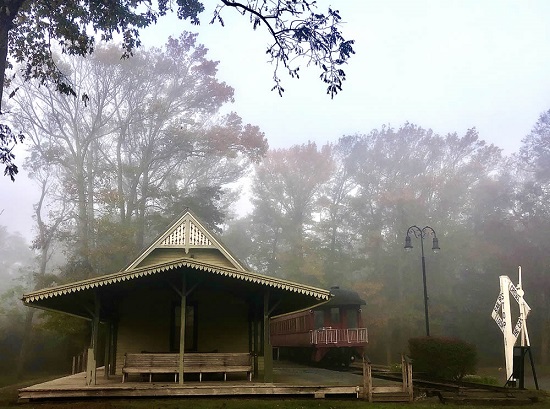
[{"x": 445, "y": 358}]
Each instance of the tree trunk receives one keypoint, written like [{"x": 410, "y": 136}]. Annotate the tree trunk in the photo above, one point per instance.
[
  {"x": 120, "y": 185},
  {"x": 5, "y": 25},
  {"x": 140, "y": 230},
  {"x": 8, "y": 11},
  {"x": 82, "y": 221},
  {"x": 23, "y": 350},
  {"x": 91, "y": 244}
]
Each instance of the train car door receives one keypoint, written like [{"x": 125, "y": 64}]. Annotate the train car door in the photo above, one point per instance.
[
  {"x": 335, "y": 318},
  {"x": 352, "y": 318}
]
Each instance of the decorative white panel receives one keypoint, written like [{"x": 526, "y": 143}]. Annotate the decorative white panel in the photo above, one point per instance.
[
  {"x": 177, "y": 238},
  {"x": 197, "y": 237}
]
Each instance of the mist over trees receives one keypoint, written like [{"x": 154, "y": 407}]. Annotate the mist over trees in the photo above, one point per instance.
[
  {"x": 153, "y": 136},
  {"x": 149, "y": 141},
  {"x": 338, "y": 215},
  {"x": 32, "y": 32}
]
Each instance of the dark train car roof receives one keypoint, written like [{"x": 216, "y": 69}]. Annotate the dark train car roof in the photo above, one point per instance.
[{"x": 343, "y": 297}]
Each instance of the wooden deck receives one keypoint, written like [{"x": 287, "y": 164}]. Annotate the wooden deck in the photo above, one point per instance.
[{"x": 290, "y": 380}]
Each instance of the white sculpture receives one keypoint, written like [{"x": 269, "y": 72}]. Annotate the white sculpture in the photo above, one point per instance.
[{"x": 501, "y": 314}]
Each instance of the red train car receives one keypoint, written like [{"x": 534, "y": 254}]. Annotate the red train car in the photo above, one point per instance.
[{"x": 332, "y": 333}]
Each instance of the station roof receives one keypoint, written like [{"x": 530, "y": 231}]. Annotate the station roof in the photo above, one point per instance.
[{"x": 183, "y": 240}]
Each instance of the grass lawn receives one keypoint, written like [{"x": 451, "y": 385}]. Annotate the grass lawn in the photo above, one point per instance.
[{"x": 243, "y": 403}]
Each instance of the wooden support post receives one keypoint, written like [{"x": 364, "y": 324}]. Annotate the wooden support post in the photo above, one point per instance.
[
  {"x": 367, "y": 380},
  {"x": 255, "y": 326},
  {"x": 410, "y": 389},
  {"x": 91, "y": 367},
  {"x": 404, "y": 372},
  {"x": 268, "y": 349},
  {"x": 251, "y": 332},
  {"x": 114, "y": 336},
  {"x": 107, "y": 355},
  {"x": 250, "y": 329},
  {"x": 182, "y": 326}
]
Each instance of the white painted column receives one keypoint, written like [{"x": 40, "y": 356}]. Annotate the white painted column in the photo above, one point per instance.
[{"x": 182, "y": 327}]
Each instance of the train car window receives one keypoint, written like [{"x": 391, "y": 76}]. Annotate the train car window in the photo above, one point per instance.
[
  {"x": 302, "y": 324},
  {"x": 319, "y": 319},
  {"x": 335, "y": 315},
  {"x": 352, "y": 320}
]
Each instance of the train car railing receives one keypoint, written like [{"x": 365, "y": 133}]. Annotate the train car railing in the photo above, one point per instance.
[{"x": 338, "y": 336}]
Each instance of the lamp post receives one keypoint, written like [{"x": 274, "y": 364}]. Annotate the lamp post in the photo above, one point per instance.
[{"x": 421, "y": 233}]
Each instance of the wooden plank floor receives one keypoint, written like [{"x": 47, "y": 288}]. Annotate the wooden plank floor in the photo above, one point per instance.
[{"x": 289, "y": 379}]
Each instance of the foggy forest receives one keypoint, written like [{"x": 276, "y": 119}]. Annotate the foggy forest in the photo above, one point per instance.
[{"x": 153, "y": 137}]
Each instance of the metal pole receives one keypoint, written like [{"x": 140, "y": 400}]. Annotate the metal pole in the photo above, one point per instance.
[
  {"x": 425, "y": 287},
  {"x": 421, "y": 233}
]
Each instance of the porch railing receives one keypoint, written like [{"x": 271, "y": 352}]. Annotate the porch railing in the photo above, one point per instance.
[
  {"x": 336, "y": 336},
  {"x": 79, "y": 362}
]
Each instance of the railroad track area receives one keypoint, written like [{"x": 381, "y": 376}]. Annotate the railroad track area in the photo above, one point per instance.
[{"x": 458, "y": 392}]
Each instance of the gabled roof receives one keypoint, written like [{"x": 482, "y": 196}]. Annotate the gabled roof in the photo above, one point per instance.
[{"x": 186, "y": 233}]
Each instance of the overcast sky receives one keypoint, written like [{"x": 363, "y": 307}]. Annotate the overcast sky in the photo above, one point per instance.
[{"x": 444, "y": 65}]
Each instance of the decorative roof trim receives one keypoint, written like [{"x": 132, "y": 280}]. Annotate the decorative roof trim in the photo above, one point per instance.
[
  {"x": 183, "y": 262},
  {"x": 186, "y": 232}
]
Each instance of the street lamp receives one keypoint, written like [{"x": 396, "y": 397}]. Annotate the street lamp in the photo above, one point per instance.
[{"x": 421, "y": 233}]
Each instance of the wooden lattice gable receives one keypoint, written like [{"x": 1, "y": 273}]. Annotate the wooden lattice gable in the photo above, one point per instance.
[{"x": 187, "y": 233}]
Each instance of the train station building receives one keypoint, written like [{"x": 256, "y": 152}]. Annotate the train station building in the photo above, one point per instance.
[{"x": 185, "y": 294}]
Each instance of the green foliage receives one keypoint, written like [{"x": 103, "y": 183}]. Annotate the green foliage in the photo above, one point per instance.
[
  {"x": 64, "y": 325},
  {"x": 285, "y": 192},
  {"x": 120, "y": 183},
  {"x": 73, "y": 25},
  {"x": 8, "y": 140},
  {"x": 298, "y": 30},
  {"x": 114, "y": 246},
  {"x": 300, "y": 33},
  {"x": 29, "y": 30},
  {"x": 444, "y": 358}
]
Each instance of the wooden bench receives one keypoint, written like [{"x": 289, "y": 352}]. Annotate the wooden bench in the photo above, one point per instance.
[
  {"x": 168, "y": 363},
  {"x": 137, "y": 364}
]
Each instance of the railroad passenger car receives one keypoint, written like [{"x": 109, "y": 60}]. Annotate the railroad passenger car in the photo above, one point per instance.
[{"x": 332, "y": 333}]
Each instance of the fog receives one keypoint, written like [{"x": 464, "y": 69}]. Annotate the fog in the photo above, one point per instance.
[{"x": 443, "y": 121}]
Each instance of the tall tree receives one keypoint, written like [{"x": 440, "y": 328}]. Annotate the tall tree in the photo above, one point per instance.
[
  {"x": 402, "y": 177},
  {"x": 285, "y": 192},
  {"x": 334, "y": 230},
  {"x": 29, "y": 30},
  {"x": 170, "y": 140},
  {"x": 532, "y": 208},
  {"x": 65, "y": 133},
  {"x": 15, "y": 254},
  {"x": 48, "y": 222},
  {"x": 148, "y": 140}
]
